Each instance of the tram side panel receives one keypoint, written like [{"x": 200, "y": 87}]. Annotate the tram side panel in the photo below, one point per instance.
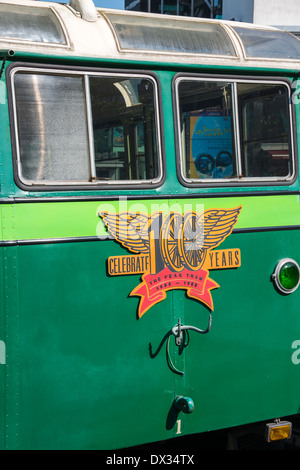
[
  {"x": 245, "y": 369},
  {"x": 86, "y": 363},
  {"x": 8, "y": 279},
  {"x": 86, "y": 378},
  {"x": 238, "y": 372},
  {"x": 2, "y": 357},
  {"x": 84, "y": 373}
]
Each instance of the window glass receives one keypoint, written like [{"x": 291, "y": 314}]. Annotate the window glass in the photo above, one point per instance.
[
  {"x": 52, "y": 128},
  {"x": 265, "y": 130},
  {"x": 269, "y": 43},
  {"x": 170, "y": 35},
  {"x": 231, "y": 131},
  {"x": 80, "y": 128},
  {"x": 30, "y": 23},
  {"x": 124, "y": 127},
  {"x": 206, "y": 126}
]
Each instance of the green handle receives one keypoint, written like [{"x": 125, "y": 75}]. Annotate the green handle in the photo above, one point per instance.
[{"x": 184, "y": 404}]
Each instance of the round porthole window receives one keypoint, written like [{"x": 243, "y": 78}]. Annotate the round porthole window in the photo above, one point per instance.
[{"x": 287, "y": 275}]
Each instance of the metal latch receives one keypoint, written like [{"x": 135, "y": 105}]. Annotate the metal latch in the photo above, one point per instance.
[
  {"x": 181, "y": 333},
  {"x": 179, "y": 328}
]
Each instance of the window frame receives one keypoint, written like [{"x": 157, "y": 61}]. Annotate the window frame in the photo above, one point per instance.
[
  {"x": 238, "y": 180},
  {"x": 85, "y": 72}
]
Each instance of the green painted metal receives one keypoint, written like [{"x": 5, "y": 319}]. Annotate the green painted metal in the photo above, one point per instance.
[
  {"x": 2, "y": 358},
  {"x": 38, "y": 220},
  {"x": 83, "y": 357},
  {"x": 82, "y": 371},
  {"x": 242, "y": 370}
]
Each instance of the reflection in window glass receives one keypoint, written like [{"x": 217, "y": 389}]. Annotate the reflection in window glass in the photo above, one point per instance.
[
  {"x": 31, "y": 24},
  {"x": 265, "y": 130},
  {"x": 124, "y": 128},
  {"x": 207, "y": 129},
  {"x": 86, "y": 129},
  {"x": 52, "y": 128},
  {"x": 211, "y": 125},
  {"x": 170, "y": 35},
  {"x": 268, "y": 43}
]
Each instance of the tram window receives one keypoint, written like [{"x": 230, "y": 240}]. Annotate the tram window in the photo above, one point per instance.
[
  {"x": 261, "y": 43},
  {"x": 86, "y": 129},
  {"x": 176, "y": 35},
  {"x": 30, "y": 24},
  {"x": 234, "y": 131},
  {"x": 52, "y": 128},
  {"x": 265, "y": 130},
  {"x": 124, "y": 127},
  {"x": 206, "y": 127}
]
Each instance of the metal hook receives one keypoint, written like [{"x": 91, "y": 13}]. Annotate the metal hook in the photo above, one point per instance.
[
  {"x": 180, "y": 332},
  {"x": 177, "y": 330},
  {"x": 170, "y": 363}
]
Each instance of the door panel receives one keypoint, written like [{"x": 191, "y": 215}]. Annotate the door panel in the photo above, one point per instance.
[
  {"x": 86, "y": 375},
  {"x": 242, "y": 370}
]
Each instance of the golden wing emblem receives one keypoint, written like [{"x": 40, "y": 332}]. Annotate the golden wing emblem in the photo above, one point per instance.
[
  {"x": 129, "y": 229},
  {"x": 218, "y": 224},
  {"x": 183, "y": 240},
  {"x": 204, "y": 232}
]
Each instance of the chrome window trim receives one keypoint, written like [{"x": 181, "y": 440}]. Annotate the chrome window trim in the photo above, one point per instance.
[
  {"x": 97, "y": 184},
  {"x": 240, "y": 180},
  {"x": 236, "y": 128},
  {"x": 89, "y": 119}
]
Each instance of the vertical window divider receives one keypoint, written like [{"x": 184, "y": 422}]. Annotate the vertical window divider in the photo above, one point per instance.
[
  {"x": 90, "y": 127},
  {"x": 236, "y": 131}
]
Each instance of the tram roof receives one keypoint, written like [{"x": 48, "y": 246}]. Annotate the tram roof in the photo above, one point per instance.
[{"x": 79, "y": 29}]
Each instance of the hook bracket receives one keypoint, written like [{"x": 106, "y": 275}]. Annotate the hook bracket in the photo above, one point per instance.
[
  {"x": 181, "y": 333},
  {"x": 179, "y": 328}
]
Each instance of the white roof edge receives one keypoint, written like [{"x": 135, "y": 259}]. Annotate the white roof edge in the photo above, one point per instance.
[{"x": 89, "y": 35}]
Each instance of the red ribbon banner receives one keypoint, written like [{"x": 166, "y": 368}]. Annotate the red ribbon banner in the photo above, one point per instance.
[{"x": 154, "y": 286}]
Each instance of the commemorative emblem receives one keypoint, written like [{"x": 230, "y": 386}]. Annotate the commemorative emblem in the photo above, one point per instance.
[{"x": 173, "y": 251}]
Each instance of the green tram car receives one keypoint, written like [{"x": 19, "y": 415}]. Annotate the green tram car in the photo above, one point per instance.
[{"x": 150, "y": 222}]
